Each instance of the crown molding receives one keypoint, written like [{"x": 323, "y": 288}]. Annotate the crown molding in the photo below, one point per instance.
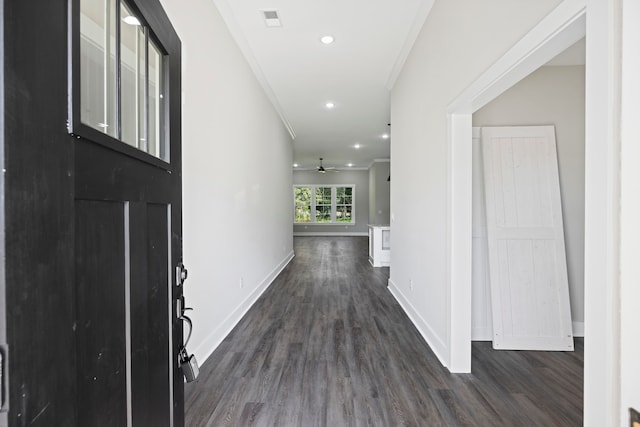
[
  {"x": 378, "y": 161},
  {"x": 412, "y": 35},
  {"x": 232, "y": 25}
]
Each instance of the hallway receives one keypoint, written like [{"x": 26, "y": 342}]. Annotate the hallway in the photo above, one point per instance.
[{"x": 327, "y": 345}]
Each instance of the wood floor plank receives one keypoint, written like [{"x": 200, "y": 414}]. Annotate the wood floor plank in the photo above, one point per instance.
[
  {"x": 327, "y": 345},
  {"x": 313, "y": 411},
  {"x": 250, "y": 413}
]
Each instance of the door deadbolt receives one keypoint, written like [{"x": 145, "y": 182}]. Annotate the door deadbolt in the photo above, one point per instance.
[{"x": 181, "y": 274}]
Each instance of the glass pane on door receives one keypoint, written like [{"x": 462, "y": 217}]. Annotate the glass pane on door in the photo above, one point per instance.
[
  {"x": 156, "y": 142},
  {"x": 133, "y": 77},
  {"x": 98, "y": 65}
]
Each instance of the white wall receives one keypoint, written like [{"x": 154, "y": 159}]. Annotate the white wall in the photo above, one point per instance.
[
  {"x": 460, "y": 39},
  {"x": 379, "y": 192},
  {"x": 554, "y": 96},
  {"x": 359, "y": 178},
  {"x": 610, "y": 366},
  {"x": 237, "y": 220}
]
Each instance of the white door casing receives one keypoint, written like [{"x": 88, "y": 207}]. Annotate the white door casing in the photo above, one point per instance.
[
  {"x": 481, "y": 325},
  {"x": 527, "y": 261}
]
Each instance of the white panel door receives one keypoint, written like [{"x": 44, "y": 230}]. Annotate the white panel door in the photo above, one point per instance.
[
  {"x": 481, "y": 327},
  {"x": 527, "y": 262}
]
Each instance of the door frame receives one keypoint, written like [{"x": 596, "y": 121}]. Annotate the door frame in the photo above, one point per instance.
[
  {"x": 570, "y": 21},
  {"x": 555, "y": 33}
]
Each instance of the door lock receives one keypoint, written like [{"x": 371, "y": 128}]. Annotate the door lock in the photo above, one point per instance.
[
  {"x": 181, "y": 274},
  {"x": 187, "y": 362}
]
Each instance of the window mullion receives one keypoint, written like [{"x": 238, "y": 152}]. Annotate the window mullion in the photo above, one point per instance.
[
  {"x": 118, "y": 100},
  {"x": 333, "y": 203},
  {"x": 139, "y": 135},
  {"x": 146, "y": 90},
  {"x": 106, "y": 58},
  {"x": 312, "y": 214}
]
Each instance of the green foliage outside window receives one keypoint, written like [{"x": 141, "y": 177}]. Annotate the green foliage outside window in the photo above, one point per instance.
[
  {"x": 303, "y": 204},
  {"x": 326, "y": 204},
  {"x": 344, "y": 204},
  {"x": 323, "y": 204}
]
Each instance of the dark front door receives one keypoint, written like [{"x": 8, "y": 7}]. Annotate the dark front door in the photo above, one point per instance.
[
  {"x": 93, "y": 213},
  {"x": 125, "y": 92}
]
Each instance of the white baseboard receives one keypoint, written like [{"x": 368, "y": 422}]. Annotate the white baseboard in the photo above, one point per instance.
[
  {"x": 578, "y": 329},
  {"x": 481, "y": 334},
  {"x": 330, "y": 233},
  {"x": 433, "y": 340},
  {"x": 380, "y": 263},
  {"x": 213, "y": 340}
]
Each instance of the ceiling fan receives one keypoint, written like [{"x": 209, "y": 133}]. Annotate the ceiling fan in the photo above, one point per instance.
[{"x": 322, "y": 169}]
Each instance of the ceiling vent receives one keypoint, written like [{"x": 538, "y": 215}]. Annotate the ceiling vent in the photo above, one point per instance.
[{"x": 271, "y": 18}]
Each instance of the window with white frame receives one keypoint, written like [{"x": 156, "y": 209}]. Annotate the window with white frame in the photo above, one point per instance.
[
  {"x": 324, "y": 204},
  {"x": 344, "y": 204},
  {"x": 302, "y": 196}
]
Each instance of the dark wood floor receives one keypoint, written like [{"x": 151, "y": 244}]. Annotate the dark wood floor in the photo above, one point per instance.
[{"x": 327, "y": 345}]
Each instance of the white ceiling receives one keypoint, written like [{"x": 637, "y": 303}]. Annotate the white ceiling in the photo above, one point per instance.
[{"x": 300, "y": 74}]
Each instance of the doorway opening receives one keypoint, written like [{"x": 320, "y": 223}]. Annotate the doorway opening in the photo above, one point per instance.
[
  {"x": 552, "y": 95},
  {"x": 558, "y": 31}
]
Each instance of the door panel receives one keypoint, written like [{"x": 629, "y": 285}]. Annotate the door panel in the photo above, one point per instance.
[
  {"x": 123, "y": 281},
  {"x": 100, "y": 328},
  {"x": 527, "y": 261},
  {"x": 150, "y": 305},
  {"x": 140, "y": 373},
  {"x": 159, "y": 325}
]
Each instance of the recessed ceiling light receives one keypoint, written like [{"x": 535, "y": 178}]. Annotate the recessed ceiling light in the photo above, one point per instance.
[
  {"x": 295, "y": 165},
  {"x": 357, "y": 146},
  {"x": 329, "y": 105},
  {"x": 131, "y": 20},
  {"x": 327, "y": 39},
  {"x": 385, "y": 136},
  {"x": 349, "y": 164}
]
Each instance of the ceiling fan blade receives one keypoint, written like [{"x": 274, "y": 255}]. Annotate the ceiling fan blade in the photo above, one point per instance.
[{"x": 322, "y": 169}]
